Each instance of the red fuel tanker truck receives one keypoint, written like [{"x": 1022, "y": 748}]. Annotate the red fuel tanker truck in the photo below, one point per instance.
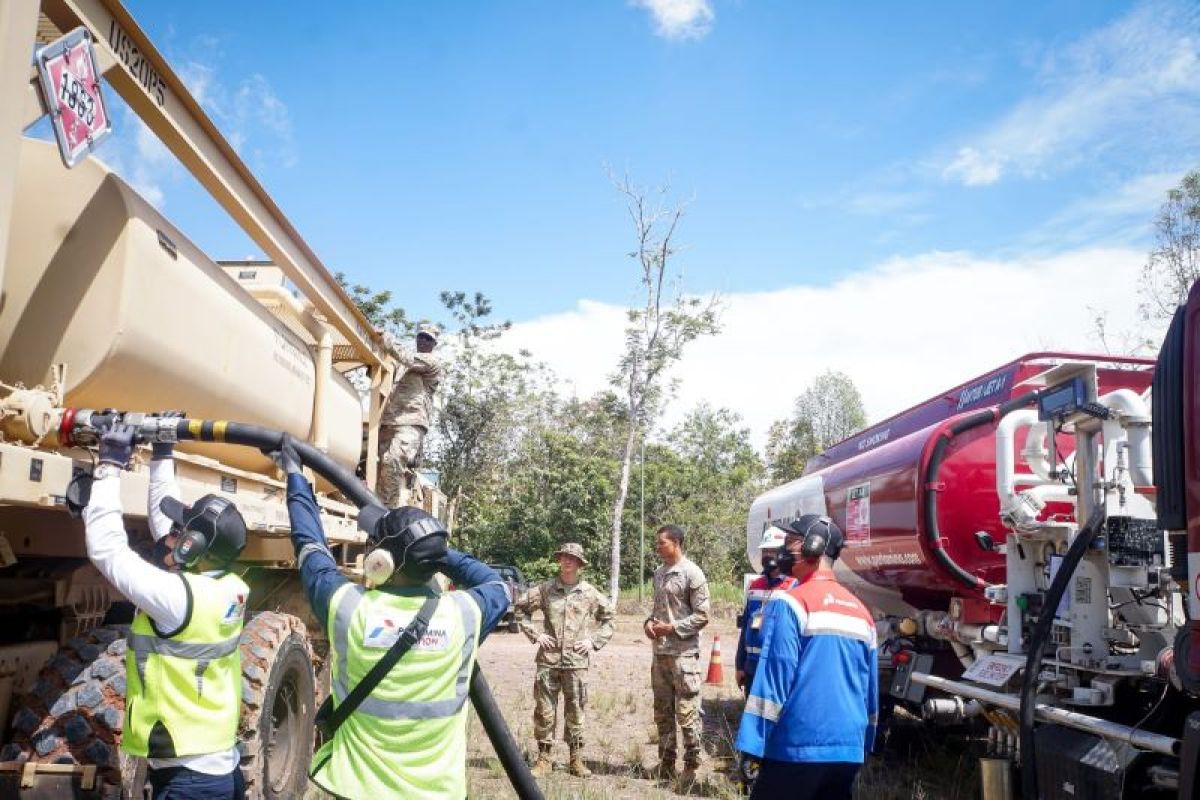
[{"x": 1029, "y": 543}]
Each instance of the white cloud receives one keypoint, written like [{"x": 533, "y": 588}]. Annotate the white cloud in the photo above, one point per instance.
[
  {"x": 1128, "y": 92},
  {"x": 249, "y": 114},
  {"x": 884, "y": 201},
  {"x": 679, "y": 19},
  {"x": 151, "y": 160},
  {"x": 903, "y": 331},
  {"x": 973, "y": 168},
  {"x": 1122, "y": 215},
  {"x": 137, "y": 155}
]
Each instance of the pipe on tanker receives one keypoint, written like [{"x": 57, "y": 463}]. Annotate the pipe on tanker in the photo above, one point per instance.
[
  {"x": 348, "y": 484},
  {"x": 320, "y": 426},
  {"x": 1024, "y": 506},
  {"x": 1037, "y": 643},
  {"x": 1144, "y": 740},
  {"x": 932, "y": 486},
  {"x": 318, "y": 328},
  {"x": 965, "y": 655},
  {"x": 1035, "y": 453},
  {"x": 1006, "y": 462},
  {"x": 1134, "y": 417}
]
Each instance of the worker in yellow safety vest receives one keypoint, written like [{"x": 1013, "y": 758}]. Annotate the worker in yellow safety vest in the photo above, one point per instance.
[
  {"x": 184, "y": 677},
  {"x": 400, "y": 729}
]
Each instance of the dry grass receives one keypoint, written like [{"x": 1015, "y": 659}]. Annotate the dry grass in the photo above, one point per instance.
[{"x": 920, "y": 764}]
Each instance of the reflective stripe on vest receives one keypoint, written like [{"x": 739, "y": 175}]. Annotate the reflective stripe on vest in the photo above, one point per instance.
[
  {"x": 184, "y": 690},
  {"x": 204, "y": 654},
  {"x": 409, "y": 737},
  {"x": 347, "y": 605}
]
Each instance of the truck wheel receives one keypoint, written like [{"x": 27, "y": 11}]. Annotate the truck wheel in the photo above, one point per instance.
[
  {"x": 278, "y": 706},
  {"x": 74, "y": 712},
  {"x": 514, "y": 626}
]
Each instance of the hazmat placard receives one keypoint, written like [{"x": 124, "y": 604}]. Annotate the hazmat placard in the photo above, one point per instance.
[
  {"x": 994, "y": 670},
  {"x": 70, "y": 82},
  {"x": 858, "y": 514}
]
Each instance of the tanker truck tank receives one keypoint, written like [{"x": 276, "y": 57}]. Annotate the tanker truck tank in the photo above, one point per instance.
[
  {"x": 916, "y": 494},
  {"x": 101, "y": 282}
]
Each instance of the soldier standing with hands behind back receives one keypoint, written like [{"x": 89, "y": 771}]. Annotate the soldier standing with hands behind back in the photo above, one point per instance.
[
  {"x": 577, "y": 620},
  {"x": 681, "y": 609}
]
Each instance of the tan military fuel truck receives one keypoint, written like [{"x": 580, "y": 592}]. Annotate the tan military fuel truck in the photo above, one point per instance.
[{"x": 107, "y": 304}]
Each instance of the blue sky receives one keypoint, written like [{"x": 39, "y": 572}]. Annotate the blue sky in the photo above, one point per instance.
[
  {"x": 463, "y": 145},
  {"x": 424, "y": 146}
]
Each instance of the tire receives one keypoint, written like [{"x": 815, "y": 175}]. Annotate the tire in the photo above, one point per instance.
[
  {"x": 278, "y": 706},
  {"x": 74, "y": 712},
  {"x": 514, "y": 626}
]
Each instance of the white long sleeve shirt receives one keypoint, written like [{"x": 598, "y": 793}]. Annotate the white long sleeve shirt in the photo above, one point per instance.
[{"x": 157, "y": 591}]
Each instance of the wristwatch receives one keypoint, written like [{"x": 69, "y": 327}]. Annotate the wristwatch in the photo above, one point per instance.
[{"x": 105, "y": 469}]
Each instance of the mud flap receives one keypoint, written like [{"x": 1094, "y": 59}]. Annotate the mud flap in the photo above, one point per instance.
[
  {"x": 31, "y": 781},
  {"x": 1189, "y": 759}
]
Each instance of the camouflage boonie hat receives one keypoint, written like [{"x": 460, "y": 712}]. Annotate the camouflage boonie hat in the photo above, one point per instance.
[
  {"x": 429, "y": 330},
  {"x": 572, "y": 549}
]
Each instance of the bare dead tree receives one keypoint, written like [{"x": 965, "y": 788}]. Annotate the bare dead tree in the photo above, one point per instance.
[
  {"x": 657, "y": 330},
  {"x": 1174, "y": 263},
  {"x": 1171, "y": 267}
]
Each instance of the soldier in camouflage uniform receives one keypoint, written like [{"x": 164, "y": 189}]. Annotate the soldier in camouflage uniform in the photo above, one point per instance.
[
  {"x": 577, "y": 620},
  {"x": 407, "y": 415},
  {"x": 681, "y": 609}
]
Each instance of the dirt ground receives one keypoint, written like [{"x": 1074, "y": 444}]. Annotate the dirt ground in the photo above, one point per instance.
[
  {"x": 622, "y": 738},
  {"x": 621, "y": 734}
]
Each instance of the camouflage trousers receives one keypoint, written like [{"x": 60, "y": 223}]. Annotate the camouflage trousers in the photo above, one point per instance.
[
  {"x": 675, "y": 681},
  {"x": 399, "y": 450},
  {"x": 547, "y": 684}
]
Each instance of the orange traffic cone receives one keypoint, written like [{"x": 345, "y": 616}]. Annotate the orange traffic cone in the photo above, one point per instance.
[{"x": 716, "y": 675}]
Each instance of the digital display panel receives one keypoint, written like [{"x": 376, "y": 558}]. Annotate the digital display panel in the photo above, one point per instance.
[{"x": 1058, "y": 401}]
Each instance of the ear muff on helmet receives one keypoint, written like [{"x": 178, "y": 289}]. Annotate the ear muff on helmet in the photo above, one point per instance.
[
  {"x": 406, "y": 539},
  {"x": 378, "y": 567},
  {"x": 822, "y": 536},
  {"x": 189, "y": 548},
  {"x": 212, "y": 526}
]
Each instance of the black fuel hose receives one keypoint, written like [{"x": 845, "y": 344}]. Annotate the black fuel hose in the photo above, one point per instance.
[
  {"x": 1037, "y": 643},
  {"x": 932, "y": 486},
  {"x": 357, "y": 492}
]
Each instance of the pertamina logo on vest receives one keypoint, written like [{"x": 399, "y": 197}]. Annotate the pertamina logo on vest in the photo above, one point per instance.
[
  {"x": 383, "y": 629},
  {"x": 235, "y": 610}
]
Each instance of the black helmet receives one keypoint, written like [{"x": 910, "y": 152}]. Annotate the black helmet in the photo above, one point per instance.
[
  {"x": 822, "y": 536},
  {"x": 414, "y": 542},
  {"x": 212, "y": 526}
]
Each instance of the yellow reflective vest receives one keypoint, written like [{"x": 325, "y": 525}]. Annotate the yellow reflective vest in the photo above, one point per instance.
[
  {"x": 183, "y": 693},
  {"x": 408, "y": 738}
]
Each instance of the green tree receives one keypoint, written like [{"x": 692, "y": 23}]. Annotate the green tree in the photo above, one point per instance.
[
  {"x": 826, "y": 412},
  {"x": 703, "y": 477},
  {"x": 486, "y": 398},
  {"x": 556, "y": 487},
  {"x": 655, "y": 336},
  {"x": 378, "y": 308}
]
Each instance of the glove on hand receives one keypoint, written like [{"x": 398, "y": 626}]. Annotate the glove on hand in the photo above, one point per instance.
[
  {"x": 164, "y": 450},
  {"x": 286, "y": 457},
  {"x": 116, "y": 445}
]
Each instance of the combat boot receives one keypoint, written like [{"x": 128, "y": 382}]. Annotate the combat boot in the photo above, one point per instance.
[
  {"x": 577, "y": 767},
  {"x": 687, "y": 778},
  {"x": 544, "y": 764}
]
